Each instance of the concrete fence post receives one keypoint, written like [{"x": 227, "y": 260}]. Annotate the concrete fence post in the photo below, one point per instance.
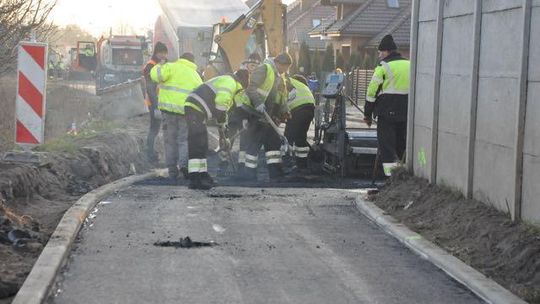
[
  {"x": 412, "y": 91},
  {"x": 436, "y": 93},
  {"x": 521, "y": 111},
  {"x": 474, "y": 97}
]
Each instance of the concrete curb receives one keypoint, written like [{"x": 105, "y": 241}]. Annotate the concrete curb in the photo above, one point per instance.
[
  {"x": 485, "y": 288},
  {"x": 36, "y": 287}
]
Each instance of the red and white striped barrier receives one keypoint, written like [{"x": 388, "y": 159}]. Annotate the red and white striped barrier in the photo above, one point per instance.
[{"x": 31, "y": 89}]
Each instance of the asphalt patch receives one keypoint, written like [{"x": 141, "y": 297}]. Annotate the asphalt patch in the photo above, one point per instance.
[{"x": 185, "y": 243}]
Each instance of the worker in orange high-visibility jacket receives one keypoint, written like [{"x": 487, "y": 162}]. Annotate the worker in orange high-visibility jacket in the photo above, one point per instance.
[{"x": 151, "y": 99}]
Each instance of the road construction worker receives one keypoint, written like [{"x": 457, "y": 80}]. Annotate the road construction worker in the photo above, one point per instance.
[
  {"x": 387, "y": 99},
  {"x": 151, "y": 99},
  {"x": 243, "y": 113},
  {"x": 267, "y": 91},
  {"x": 176, "y": 81},
  {"x": 88, "y": 51},
  {"x": 213, "y": 99},
  {"x": 302, "y": 106}
]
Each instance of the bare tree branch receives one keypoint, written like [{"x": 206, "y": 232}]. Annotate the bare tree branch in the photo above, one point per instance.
[{"x": 19, "y": 20}]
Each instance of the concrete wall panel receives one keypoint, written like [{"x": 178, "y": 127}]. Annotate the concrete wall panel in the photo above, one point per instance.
[
  {"x": 456, "y": 75},
  {"x": 422, "y": 151},
  {"x": 497, "y": 106},
  {"x": 501, "y": 38},
  {"x": 531, "y": 161},
  {"x": 458, "y": 7},
  {"x": 493, "y": 178},
  {"x": 428, "y": 10},
  {"x": 498, "y": 5},
  {"x": 427, "y": 35},
  {"x": 534, "y": 48},
  {"x": 452, "y": 160},
  {"x": 531, "y": 193},
  {"x": 424, "y": 100},
  {"x": 455, "y": 104}
]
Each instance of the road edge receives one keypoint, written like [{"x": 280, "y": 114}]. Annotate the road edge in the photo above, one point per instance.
[
  {"x": 484, "y": 287},
  {"x": 36, "y": 287}
]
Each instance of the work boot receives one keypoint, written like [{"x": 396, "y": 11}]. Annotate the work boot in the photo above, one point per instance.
[
  {"x": 194, "y": 181},
  {"x": 207, "y": 181},
  {"x": 173, "y": 174},
  {"x": 198, "y": 181},
  {"x": 275, "y": 172}
]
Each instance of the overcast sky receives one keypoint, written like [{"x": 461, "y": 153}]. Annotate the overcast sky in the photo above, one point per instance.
[{"x": 98, "y": 16}]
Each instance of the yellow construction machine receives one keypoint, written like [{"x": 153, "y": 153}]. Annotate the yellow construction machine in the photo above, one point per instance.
[{"x": 262, "y": 30}]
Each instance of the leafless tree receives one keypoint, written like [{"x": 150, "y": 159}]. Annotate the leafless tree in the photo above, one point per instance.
[{"x": 22, "y": 20}]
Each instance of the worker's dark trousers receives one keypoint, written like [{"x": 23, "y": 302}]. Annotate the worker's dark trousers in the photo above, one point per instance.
[
  {"x": 261, "y": 134},
  {"x": 197, "y": 142},
  {"x": 155, "y": 125},
  {"x": 296, "y": 133},
  {"x": 235, "y": 125},
  {"x": 392, "y": 138}
]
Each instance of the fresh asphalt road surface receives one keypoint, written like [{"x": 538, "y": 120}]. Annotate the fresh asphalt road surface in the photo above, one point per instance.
[{"x": 271, "y": 246}]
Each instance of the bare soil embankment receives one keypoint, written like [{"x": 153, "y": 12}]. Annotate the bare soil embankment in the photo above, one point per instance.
[
  {"x": 477, "y": 234},
  {"x": 33, "y": 198}
]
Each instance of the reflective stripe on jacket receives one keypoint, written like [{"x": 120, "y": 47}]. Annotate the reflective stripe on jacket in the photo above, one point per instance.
[
  {"x": 215, "y": 97},
  {"x": 390, "y": 77},
  {"x": 301, "y": 95}
]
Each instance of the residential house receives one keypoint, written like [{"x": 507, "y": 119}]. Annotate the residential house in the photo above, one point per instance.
[
  {"x": 302, "y": 17},
  {"x": 361, "y": 24}
]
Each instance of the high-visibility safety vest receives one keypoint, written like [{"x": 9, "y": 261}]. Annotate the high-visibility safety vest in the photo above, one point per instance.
[
  {"x": 394, "y": 77},
  {"x": 176, "y": 81},
  {"x": 224, "y": 89},
  {"x": 266, "y": 88},
  {"x": 302, "y": 95}
]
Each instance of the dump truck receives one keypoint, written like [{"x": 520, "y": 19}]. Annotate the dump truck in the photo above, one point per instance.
[
  {"x": 184, "y": 31},
  {"x": 119, "y": 60},
  {"x": 83, "y": 61}
]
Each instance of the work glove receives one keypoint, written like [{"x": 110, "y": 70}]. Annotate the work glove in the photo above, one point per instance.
[{"x": 261, "y": 108}]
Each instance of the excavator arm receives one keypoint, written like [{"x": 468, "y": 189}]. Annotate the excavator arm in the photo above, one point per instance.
[{"x": 269, "y": 16}]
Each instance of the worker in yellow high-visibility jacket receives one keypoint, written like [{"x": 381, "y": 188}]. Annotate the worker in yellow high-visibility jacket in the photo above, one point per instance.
[
  {"x": 268, "y": 93},
  {"x": 176, "y": 81},
  {"x": 387, "y": 98}
]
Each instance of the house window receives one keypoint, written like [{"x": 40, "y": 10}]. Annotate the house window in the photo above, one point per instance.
[
  {"x": 393, "y": 3},
  {"x": 316, "y": 22}
]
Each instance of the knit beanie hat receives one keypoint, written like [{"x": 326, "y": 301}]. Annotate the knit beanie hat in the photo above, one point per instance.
[
  {"x": 284, "y": 59},
  {"x": 160, "y": 47},
  {"x": 387, "y": 44}
]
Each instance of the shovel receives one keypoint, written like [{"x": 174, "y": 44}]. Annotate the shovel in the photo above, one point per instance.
[{"x": 284, "y": 141}]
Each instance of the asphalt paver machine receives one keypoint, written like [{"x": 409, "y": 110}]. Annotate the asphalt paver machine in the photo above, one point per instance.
[{"x": 344, "y": 151}]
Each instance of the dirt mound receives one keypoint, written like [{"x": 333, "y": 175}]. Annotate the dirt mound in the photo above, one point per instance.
[
  {"x": 477, "y": 234},
  {"x": 33, "y": 198}
]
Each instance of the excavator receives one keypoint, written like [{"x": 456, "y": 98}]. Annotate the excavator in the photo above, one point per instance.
[{"x": 262, "y": 29}]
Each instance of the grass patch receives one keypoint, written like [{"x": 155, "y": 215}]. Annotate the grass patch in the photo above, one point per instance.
[{"x": 70, "y": 143}]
